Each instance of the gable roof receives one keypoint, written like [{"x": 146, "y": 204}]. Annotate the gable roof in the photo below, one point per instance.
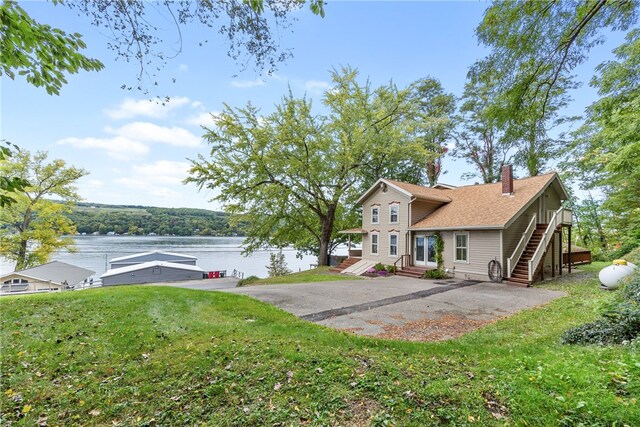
[
  {"x": 410, "y": 190},
  {"x": 484, "y": 206},
  {"x": 150, "y": 264},
  {"x": 160, "y": 254},
  {"x": 55, "y": 271}
]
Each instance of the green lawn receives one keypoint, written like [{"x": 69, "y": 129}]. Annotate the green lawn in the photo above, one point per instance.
[
  {"x": 166, "y": 356},
  {"x": 320, "y": 274}
]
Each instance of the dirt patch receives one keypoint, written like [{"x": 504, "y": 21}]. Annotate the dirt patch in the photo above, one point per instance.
[
  {"x": 443, "y": 328},
  {"x": 359, "y": 412}
]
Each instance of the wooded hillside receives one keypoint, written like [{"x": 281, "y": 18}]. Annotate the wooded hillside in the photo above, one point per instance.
[{"x": 120, "y": 219}]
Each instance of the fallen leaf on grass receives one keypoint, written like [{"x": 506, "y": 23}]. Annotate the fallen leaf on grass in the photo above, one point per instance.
[{"x": 94, "y": 412}]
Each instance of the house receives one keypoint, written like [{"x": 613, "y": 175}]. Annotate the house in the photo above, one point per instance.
[
  {"x": 151, "y": 272},
  {"x": 153, "y": 256},
  {"x": 516, "y": 222},
  {"x": 53, "y": 275}
]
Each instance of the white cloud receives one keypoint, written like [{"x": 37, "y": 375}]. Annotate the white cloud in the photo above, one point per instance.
[
  {"x": 162, "y": 178},
  {"x": 247, "y": 83},
  {"x": 316, "y": 86},
  {"x": 130, "y": 108},
  {"x": 183, "y": 67},
  {"x": 149, "y": 132},
  {"x": 119, "y": 147},
  {"x": 203, "y": 119}
]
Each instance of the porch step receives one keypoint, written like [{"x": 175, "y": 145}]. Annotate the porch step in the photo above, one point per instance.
[
  {"x": 359, "y": 267},
  {"x": 411, "y": 271}
]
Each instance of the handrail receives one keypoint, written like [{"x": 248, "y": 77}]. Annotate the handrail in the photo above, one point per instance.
[
  {"x": 546, "y": 238},
  {"x": 512, "y": 261},
  {"x": 401, "y": 261}
]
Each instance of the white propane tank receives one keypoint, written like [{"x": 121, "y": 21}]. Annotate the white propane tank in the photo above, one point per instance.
[{"x": 611, "y": 276}]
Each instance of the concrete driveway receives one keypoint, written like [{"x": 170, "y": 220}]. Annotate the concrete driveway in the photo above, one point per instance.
[{"x": 399, "y": 307}]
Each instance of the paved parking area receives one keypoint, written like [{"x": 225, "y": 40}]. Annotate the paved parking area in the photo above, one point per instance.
[{"x": 399, "y": 307}]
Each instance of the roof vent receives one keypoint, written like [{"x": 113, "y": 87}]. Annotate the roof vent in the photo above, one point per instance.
[{"x": 507, "y": 180}]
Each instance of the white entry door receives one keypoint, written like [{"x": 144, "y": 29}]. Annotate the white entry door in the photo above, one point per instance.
[{"x": 431, "y": 251}]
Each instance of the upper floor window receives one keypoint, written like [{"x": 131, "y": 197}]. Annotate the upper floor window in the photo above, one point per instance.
[
  {"x": 462, "y": 247},
  {"x": 375, "y": 214},
  {"x": 393, "y": 213}
]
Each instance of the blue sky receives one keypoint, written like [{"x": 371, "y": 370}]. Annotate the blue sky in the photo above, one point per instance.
[{"x": 137, "y": 150}]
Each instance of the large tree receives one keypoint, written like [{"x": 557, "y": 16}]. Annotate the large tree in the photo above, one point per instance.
[
  {"x": 32, "y": 228},
  {"x": 9, "y": 185},
  {"x": 480, "y": 140},
  {"x": 137, "y": 33},
  {"x": 294, "y": 176},
  {"x": 435, "y": 110},
  {"x": 606, "y": 151}
]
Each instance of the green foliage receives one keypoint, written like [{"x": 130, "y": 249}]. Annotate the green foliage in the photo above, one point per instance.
[
  {"x": 294, "y": 176},
  {"x": 439, "y": 248},
  {"x": 9, "y": 184},
  {"x": 277, "y": 265},
  {"x": 391, "y": 269},
  {"x": 314, "y": 275},
  {"x": 31, "y": 229},
  {"x": 247, "y": 281},
  {"x": 40, "y": 53},
  {"x": 620, "y": 321},
  {"x": 379, "y": 267},
  {"x": 435, "y": 273},
  {"x": 607, "y": 146},
  {"x": 141, "y": 220}
]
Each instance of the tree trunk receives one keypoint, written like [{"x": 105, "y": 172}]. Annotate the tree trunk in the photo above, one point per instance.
[
  {"x": 21, "y": 256},
  {"x": 325, "y": 237}
]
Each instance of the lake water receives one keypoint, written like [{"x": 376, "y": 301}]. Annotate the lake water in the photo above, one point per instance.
[{"x": 213, "y": 253}]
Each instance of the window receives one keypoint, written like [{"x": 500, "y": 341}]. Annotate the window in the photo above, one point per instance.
[
  {"x": 374, "y": 244},
  {"x": 462, "y": 247},
  {"x": 393, "y": 213},
  {"x": 393, "y": 245},
  {"x": 375, "y": 211}
]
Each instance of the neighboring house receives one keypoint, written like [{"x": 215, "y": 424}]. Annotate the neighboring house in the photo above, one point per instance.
[
  {"x": 151, "y": 272},
  {"x": 515, "y": 222},
  {"x": 53, "y": 275},
  {"x": 126, "y": 261}
]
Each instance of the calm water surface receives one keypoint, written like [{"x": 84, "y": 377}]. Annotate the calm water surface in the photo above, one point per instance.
[{"x": 213, "y": 253}]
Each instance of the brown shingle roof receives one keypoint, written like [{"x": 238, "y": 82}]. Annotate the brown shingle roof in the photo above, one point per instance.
[
  {"x": 483, "y": 205},
  {"x": 422, "y": 192}
]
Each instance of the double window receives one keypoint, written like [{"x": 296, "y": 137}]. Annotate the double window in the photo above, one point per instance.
[
  {"x": 393, "y": 213},
  {"x": 393, "y": 245},
  {"x": 375, "y": 215},
  {"x": 462, "y": 247},
  {"x": 374, "y": 244}
]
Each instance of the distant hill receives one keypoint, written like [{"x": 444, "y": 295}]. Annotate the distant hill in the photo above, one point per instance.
[{"x": 90, "y": 218}]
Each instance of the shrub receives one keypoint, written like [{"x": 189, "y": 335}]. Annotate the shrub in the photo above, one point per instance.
[
  {"x": 435, "y": 274},
  {"x": 620, "y": 321},
  {"x": 379, "y": 266},
  {"x": 277, "y": 265},
  {"x": 391, "y": 269},
  {"x": 627, "y": 251},
  {"x": 247, "y": 281}
]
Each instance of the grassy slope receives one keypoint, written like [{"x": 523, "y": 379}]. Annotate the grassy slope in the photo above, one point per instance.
[
  {"x": 145, "y": 355},
  {"x": 320, "y": 274}
]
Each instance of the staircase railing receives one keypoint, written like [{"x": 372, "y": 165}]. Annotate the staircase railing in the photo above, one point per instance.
[
  {"x": 512, "y": 261},
  {"x": 556, "y": 219},
  {"x": 401, "y": 261}
]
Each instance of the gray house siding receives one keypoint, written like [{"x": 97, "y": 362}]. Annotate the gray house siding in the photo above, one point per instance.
[
  {"x": 483, "y": 246},
  {"x": 384, "y": 228}
]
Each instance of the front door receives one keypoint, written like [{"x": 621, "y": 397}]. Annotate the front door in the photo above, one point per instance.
[{"x": 418, "y": 251}]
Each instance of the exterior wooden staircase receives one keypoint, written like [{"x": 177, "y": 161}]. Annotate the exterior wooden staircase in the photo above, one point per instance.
[
  {"x": 344, "y": 265},
  {"x": 411, "y": 271},
  {"x": 520, "y": 275}
]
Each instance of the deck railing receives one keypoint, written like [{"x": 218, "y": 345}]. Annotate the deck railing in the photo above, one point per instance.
[
  {"x": 512, "y": 261},
  {"x": 401, "y": 261},
  {"x": 557, "y": 219}
]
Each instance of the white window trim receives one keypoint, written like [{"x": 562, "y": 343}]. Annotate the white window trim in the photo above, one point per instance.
[
  {"x": 397, "y": 244},
  {"x": 455, "y": 248},
  {"x": 397, "y": 205},
  {"x": 378, "y": 208},
  {"x": 377, "y": 244}
]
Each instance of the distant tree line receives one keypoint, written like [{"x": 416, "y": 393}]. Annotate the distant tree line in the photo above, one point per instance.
[{"x": 140, "y": 220}]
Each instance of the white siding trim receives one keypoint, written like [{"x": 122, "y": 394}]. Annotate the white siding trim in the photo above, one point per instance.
[
  {"x": 455, "y": 246},
  {"x": 397, "y": 234},
  {"x": 377, "y": 252},
  {"x": 378, "y": 209},
  {"x": 397, "y": 206}
]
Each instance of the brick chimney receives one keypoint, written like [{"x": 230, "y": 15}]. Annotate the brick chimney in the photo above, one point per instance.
[{"x": 507, "y": 180}]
